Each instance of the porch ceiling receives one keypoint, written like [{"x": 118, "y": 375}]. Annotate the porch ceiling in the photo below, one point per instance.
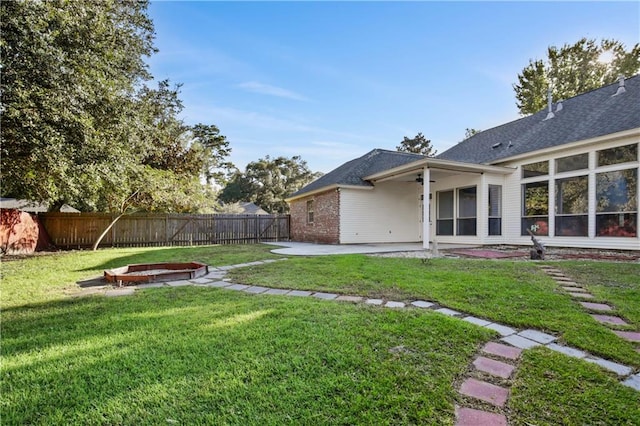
[{"x": 438, "y": 169}]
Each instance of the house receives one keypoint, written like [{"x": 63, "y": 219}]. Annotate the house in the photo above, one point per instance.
[
  {"x": 251, "y": 208},
  {"x": 567, "y": 174}
]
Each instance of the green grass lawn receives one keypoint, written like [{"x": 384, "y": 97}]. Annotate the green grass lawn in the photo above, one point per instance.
[
  {"x": 50, "y": 276},
  {"x": 514, "y": 293},
  {"x": 194, "y": 355}
]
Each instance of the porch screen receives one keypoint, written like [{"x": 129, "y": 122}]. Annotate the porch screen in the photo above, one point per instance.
[
  {"x": 617, "y": 203},
  {"x": 466, "y": 223},
  {"x": 572, "y": 207},
  {"x": 495, "y": 210},
  {"x": 535, "y": 208},
  {"x": 444, "y": 221}
]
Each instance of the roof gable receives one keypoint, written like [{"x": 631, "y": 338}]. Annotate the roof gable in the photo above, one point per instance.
[
  {"x": 352, "y": 172},
  {"x": 589, "y": 115}
]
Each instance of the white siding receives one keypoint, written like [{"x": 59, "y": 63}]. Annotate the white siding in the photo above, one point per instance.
[{"x": 387, "y": 213}]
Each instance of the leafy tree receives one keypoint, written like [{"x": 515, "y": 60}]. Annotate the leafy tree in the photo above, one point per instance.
[
  {"x": 68, "y": 72},
  {"x": 574, "y": 69},
  {"x": 238, "y": 188},
  {"x": 79, "y": 125},
  {"x": 470, "y": 132},
  {"x": 417, "y": 145},
  {"x": 267, "y": 182}
]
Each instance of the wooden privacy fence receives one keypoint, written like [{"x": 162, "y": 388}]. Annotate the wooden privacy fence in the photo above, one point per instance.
[{"x": 81, "y": 230}]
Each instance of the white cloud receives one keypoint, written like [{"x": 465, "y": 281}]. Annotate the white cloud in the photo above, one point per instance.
[{"x": 267, "y": 89}]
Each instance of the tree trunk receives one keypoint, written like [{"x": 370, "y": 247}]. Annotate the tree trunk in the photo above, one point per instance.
[
  {"x": 113, "y": 222},
  {"x": 55, "y": 206}
]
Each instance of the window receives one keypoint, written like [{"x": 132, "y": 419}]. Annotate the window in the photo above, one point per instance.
[
  {"x": 310, "y": 211},
  {"x": 620, "y": 154},
  {"x": 535, "y": 169},
  {"x": 444, "y": 220},
  {"x": 617, "y": 203},
  {"x": 466, "y": 223},
  {"x": 574, "y": 162},
  {"x": 535, "y": 208},
  {"x": 495, "y": 210},
  {"x": 572, "y": 207}
]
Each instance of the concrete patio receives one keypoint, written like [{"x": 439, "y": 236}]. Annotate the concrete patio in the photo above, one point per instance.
[{"x": 291, "y": 248}]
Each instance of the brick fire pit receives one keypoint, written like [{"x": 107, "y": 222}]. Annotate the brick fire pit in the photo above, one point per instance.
[{"x": 150, "y": 272}]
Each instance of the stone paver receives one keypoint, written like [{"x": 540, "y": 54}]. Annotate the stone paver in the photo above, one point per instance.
[
  {"x": 256, "y": 289},
  {"x": 201, "y": 280},
  {"x": 373, "y": 301},
  {"x": 484, "y": 391},
  {"x": 392, "y": 304},
  {"x": 472, "y": 417},
  {"x": 493, "y": 367},
  {"x": 299, "y": 293},
  {"x": 447, "y": 311},
  {"x": 179, "y": 283},
  {"x": 575, "y": 289},
  {"x": 150, "y": 285},
  {"x": 237, "y": 287},
  {"x": 632, "y": 336},
  {"x": 219, "y": 284},
  {"x": 619, "y": 369},
  {"x": 352, "y": 299},
  {"x": 596, "y": 306},
  {"x": 277, "y": 291},
  {"x": 608, "y": 319},
  {"x": 581, "y": 295},
  {"x": 119, "y": 292},
  {"x": 215, "y": 275},
  {"x": 562, "y": 278},
  {"x": 476, "y": 321},
  {"x": 520, "y": 342},
  {"x": 422, "y": 304},
  {"x": 504, "y": 351},
  {"x": 503, "y": 330},
  {"x": 325, "y": 296},
  {"x": 537, "y": 336},
  {"x": 633, "y": 382},
  {"x": 567, "y": 350}
]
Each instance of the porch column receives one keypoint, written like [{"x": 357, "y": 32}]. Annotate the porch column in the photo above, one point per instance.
[{"x": 426, "y": 203}]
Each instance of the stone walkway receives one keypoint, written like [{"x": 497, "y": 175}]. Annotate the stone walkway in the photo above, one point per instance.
[{"x": 487, "y": 383}]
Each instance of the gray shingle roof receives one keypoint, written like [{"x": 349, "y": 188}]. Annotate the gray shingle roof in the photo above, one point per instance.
[
  {"x": 592, "y": 114},
  {"x": 352, "y": 172}
]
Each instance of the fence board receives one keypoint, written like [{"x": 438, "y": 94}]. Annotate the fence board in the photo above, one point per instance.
[{"x": 81, "y": 230}]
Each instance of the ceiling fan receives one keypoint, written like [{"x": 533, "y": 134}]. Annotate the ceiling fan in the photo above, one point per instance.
[{"x": 420, "y": 180}]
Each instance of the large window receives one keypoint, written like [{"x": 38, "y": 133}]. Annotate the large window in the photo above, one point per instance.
[
  {"x": 574, "y": 162},
  {"x": 535, "y": 208},
  {"x": 444, "y": 221},
  {"x": 617, "y": 155},
  {"x": 495, "y": 210},
  {"x": 466, "y": 223},
  {"x": 572, "y": 207},
  {"x": 540, "y": 168},
  {"x": 617, "y": 203}
]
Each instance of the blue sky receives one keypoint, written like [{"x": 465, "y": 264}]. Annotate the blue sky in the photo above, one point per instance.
[{"x": 330, "y": 81}]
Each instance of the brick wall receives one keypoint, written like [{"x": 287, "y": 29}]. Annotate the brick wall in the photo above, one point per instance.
[{"x": 326, "y": 219}]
